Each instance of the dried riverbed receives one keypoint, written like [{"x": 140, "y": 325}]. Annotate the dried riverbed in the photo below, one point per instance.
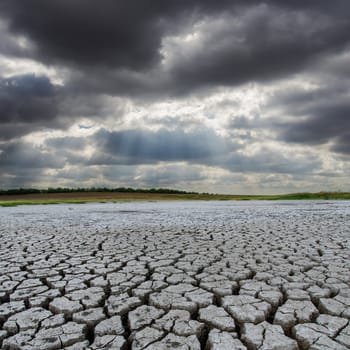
[{"x": 176, "y": 275}]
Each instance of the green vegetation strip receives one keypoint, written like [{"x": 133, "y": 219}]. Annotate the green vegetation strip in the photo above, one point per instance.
[
  {"x": 76, "y": 197},
  {"x": 36, "y": 202}
]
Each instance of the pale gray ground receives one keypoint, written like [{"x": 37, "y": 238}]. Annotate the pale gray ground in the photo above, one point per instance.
[{"x": 176, "y": 275}]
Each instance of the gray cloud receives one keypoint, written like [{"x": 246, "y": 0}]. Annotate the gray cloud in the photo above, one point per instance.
[
  {"x": 27, "y": 98},
  {"x": 201, "y": 147},
  {"x": 33, "y": 102},
  {"x": 22, "y": 155},
  {"x": 71, "y": 143},
  {"x": 167, "y": 175},
  {"x": 27, "y": 103},
  {"x": 8, "y": 44},
  {"x": 80, "y": 32},
  {"x": 318, "y": 116},
  {"x": 322, "y": 126},
  {"x": 143, "y": 147},
  {"x": 342, "y": 143},
  {"x": 116, "y": 48},
  {"x": 258, "y": 43},
  {"x": 268, "y": 161}
]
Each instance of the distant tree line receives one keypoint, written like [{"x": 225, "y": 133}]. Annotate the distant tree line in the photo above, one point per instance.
[{"x": 92, "y": 189}]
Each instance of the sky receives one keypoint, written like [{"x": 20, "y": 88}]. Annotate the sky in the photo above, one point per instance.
[{"x": 217, "y": 96}]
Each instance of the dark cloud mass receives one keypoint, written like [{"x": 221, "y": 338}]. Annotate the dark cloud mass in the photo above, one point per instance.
[
  {"x": 142, "y": 147},
  {"x": 68, "y": 65},
  {"x": 80, "y": 32},
  {"x": 258, "y": 44},
  {"x": 254, "y": 41},
  {"x": 27, "y": 102},
  {"x": 32, "y": 102},
  {"x": 27, "y": 156},
  {"x": 332, "y": 122},
  {"x": 319, "y": 116},
  {"x": 26, "y": 98}
]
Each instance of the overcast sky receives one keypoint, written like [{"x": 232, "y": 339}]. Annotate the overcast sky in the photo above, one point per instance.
[{"x": 217, "y": 96}]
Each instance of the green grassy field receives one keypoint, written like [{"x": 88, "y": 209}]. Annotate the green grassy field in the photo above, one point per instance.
[{"x": 104, "y": 197}]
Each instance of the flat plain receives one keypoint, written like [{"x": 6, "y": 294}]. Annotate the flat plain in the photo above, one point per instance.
[{"x": 176, "y": 275}]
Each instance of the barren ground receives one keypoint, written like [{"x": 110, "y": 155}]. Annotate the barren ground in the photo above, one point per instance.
[{"x": 176, "y": 275}]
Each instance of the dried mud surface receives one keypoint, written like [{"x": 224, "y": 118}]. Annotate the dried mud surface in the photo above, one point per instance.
[{"x": 176, "y": 275}]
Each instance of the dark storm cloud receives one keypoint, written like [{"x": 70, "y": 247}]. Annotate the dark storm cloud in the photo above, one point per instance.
[
  {"x": 32, "y": 102},
  {"x": 27, "y": 103},
  {"x": 23, "y": 155},
  {"x": 342, "y": 143},
  {"x": 81, "y": 32},
  {"x": 114, "y": 33},
  {"x": 143, "y": 147},
  {"x": 263, "y": 43},
  {"x": 270, "y": 162},
  {"x": 24, "y": 165},
  {"x": 318, "y": 117},
  {"x": 243, "y": 44},
  {"x": 8, "y": 45},
  {"x": 112, "y": 42},
  {"x": 332, "y": 121},
  {"x": 27, "y": 98},
  {"x": 68, "y": 148}
]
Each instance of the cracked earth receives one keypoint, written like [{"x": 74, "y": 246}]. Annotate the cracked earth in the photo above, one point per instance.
[{"x": 176, "y": 275}]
